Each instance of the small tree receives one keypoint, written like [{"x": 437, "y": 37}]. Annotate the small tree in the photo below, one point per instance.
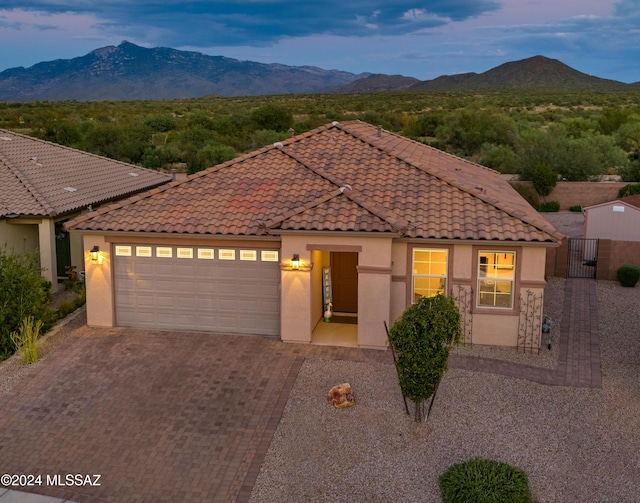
[
  {"x": 421, "y": 340},
  {"x": 272, "y": 117},
  {"x": 544, "y": 180}
]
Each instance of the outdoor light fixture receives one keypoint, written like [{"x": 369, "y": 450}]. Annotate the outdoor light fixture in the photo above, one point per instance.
[
  {"x": 295, "y": 262},
  {"x": 95, "y": 254}
]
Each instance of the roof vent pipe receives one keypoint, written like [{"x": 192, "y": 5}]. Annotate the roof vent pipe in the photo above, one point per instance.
[
  {"x": 173, "y": 174},
  {"x": 292, "y": 132},
  {"x": 379, "y": 131}
]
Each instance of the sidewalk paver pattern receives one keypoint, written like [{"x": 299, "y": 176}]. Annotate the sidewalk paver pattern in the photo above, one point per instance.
[
  {"x": 579, "y": 353},
  {"x": 170, "y": 416}
]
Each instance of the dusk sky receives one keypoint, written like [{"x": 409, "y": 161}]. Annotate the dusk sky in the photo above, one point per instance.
[{"x": 422, "y": 39}]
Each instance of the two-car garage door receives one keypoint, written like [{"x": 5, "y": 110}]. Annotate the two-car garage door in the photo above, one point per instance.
[{"x": 212, "y": 289}]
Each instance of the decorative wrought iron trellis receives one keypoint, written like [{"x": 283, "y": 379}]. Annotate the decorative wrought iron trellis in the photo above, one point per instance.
[
  {"x": 464, "y": 301},
  {"x": 530, "y": 322}
]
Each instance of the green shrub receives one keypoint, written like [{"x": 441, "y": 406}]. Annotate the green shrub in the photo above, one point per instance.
[
  {"x": 628, "y": 275},
  {"x": 549, "y": 207},
  {"x": 484, "y": 481},
  {"x": 23, "y": 294},
  {"x": 69, "y": 306},
  {"x": 26, "y": 339},
  {"x": 576, "y": 208},
  {"x": 630, "y": 189},
  {"x": 528, "y": 193},
  {"x": 421, "y": 340}
]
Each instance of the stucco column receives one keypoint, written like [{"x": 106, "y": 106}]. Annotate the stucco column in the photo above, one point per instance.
[
  {"x": 295, "y": 306},
  {"x": 47, "y": 248},
  {"x": 374, "y": 306},
  {"x": 100, "y": 306}
]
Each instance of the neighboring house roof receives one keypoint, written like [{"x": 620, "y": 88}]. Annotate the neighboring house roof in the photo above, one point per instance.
[
  {"x": 632, "y": 200},
  {"x": 341, "y": 177},
  {"x": 40, "y": 178}
]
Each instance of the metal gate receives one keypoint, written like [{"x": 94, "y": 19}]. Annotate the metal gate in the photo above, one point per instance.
[{"x": 582, "y": 259}]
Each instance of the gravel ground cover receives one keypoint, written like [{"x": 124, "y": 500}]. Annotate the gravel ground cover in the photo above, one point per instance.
[
  {"x": 574, "y": 444},
  {"x": 570, "y": 223},
  {"x": 548, "y": 358}
]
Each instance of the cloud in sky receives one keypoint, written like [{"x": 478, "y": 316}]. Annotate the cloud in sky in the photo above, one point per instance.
[
  {"x": 420, "y": 38},
  {"x": 258, "y": 22}
]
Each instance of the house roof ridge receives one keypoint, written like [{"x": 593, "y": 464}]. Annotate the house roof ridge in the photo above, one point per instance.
[
  {"x": 397, "y": 223},
  {"x": 26, "y": 183},
  {"x": 474, "y": 190},
  {"x": 299, "y": 209},
  {"x": 311, "y": 168}
]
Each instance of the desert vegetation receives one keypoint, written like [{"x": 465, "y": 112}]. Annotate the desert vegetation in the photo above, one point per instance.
[{"x": 577, "y": 136}]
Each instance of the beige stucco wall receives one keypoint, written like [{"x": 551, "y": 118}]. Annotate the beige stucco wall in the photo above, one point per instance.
[
  {"x": 399, "y": 281},
  {"x": 19, "y": 237},
  {"x": 47, "y": 247},
  {"x": 532, "y": 263},
  {"x": 495, "y": 330},
  {"x": 300, "y": 302},
  {"x": 463, "y": 261},
  {"x": 492, "y": 328},
  {"x": 379, "y": 298},
  {"x": 39, "y": 236},
  {"x": 100, "y": 307}
]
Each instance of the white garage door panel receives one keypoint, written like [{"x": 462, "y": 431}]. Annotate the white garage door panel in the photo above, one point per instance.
[{"x": 235, "y": 296}]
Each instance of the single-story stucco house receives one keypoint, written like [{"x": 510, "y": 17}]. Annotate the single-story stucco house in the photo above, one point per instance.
[
  {"x": 347, "y": 214},
  {"x": 43, "y": 185},
  {"x": 618, "y": 220}
]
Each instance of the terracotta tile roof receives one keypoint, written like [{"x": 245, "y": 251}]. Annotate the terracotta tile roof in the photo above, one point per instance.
[
  {"x": 340, "y": 177},
  {"x": 632, "y": 200},
  {"x": 39, "y": 178}
]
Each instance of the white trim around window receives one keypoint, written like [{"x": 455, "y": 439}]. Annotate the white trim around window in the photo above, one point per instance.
[
  {"x": 429, "y": 272},
  {"x": 496, "y": 279}
]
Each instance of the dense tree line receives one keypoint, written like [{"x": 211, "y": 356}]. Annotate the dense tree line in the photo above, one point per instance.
[{"x": 578, "y": 136}]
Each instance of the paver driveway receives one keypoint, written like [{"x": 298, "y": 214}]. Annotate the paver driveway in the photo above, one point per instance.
[{"x": 161, "y": 416}]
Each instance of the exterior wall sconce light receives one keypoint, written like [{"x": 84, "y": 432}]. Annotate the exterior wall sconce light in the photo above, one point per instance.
[
  {"x": 94, "y": 254},
  {"x": 296, "y": 264}
]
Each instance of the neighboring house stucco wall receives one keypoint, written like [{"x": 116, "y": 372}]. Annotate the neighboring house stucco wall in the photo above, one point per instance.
[
  {"x": 615, "y": 220},
  {"x": 19, "y": 237},
  {"x": 38, "y": 236}
]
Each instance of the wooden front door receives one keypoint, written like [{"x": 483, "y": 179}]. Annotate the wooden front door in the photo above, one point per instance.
[{"x": 344, "y": 280}]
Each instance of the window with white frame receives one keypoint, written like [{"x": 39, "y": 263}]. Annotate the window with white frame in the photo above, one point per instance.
[
  {"x": 429, "y": 272},
  {"x": 496, "y": 279}
]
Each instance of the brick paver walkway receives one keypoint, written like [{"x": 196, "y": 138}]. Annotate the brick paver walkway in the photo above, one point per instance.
[
  {"x": 161, "y": 416},
  {"x": 579, "y": 352},
  {"x": 166, "y": 417}
]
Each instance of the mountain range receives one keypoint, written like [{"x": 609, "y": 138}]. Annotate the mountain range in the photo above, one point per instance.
[{"x": 131, "y": 72}]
